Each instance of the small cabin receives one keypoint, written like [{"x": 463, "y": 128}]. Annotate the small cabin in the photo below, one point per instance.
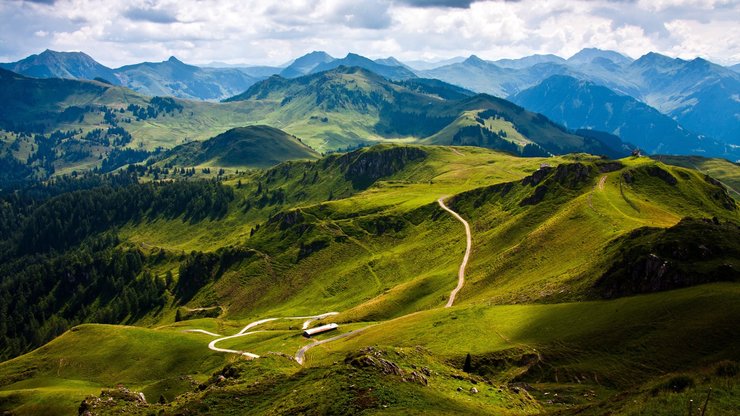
[
  {"x": 319, "y": 330},
  {"x": 544, "y": 165}
]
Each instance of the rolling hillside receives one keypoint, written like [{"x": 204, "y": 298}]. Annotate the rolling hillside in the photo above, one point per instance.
[{"x": 363, "y": 235}]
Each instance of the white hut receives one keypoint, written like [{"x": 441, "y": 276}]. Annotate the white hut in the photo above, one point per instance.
[{"x": 320, "y": 329}]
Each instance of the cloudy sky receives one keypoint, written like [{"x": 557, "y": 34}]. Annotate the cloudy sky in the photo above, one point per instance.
[{"x": 118, "y": 32}]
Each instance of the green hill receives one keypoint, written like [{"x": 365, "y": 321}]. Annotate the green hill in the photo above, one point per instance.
[
  {"x": 362, "y": 234},
  {"x": 253, "y": 146}
]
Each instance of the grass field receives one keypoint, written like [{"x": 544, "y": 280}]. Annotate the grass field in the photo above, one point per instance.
[{"x": 90, "y": 357}]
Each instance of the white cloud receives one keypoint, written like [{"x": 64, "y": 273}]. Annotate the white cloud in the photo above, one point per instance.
[{"x": 119, "y": 32}]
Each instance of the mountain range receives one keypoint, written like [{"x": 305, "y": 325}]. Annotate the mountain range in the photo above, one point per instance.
[
  {"x": 347, "y": 105},
  {"x": 578, "y": 104},
  {"x": 699, "y": 95},
  {"x": 169, "y": 78},
  {"x": 58, "y": 125}
]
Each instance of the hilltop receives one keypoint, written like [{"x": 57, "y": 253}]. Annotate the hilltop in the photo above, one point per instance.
[{"x": 252, "y": 146}]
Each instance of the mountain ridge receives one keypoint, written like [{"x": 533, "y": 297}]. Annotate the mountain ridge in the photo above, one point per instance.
[{"x": 582, "y": 104}]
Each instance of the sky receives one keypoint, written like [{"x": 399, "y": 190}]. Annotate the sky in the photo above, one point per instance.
[{"x": 265, "y": 32}]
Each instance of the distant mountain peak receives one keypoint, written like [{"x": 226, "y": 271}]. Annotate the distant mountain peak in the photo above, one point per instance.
[
  {"x": 654, "y": 57},
  {"x": 391, "y": 61},
  {"x": 174, "y": 60},
  {"x": 354, "y": 60},
  {"x": 699, "y": 62},
  {"x": 318, "y": 54},
  {"x": 304, "y": 64},
  {"x": 474, "y": 60},
  {"x": 60, "y": 54},
  {"x": 588, "y": 55},
  {"x": 55, "y": 64}
]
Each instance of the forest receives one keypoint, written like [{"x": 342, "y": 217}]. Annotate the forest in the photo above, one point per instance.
[{"x": 84, "y": 274}]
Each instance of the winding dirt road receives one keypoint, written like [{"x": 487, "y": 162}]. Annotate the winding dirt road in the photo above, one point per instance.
[
  {"x": 469, "y": 241},
  {"x": 246, "y": 331},
  {"x": 602, "y": 182},
  {"x": 301, "y": 353}
]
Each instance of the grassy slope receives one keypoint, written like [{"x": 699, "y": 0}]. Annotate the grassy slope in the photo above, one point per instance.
[
  {"x": 618, "y": 344},
  {"x": 602, "y": 347},
  {"x": 723, "y": 170},
  {"x": 447, "y": 171},
  {"x": 559, "y": 245},
  {"x": 89, "y": 357},
  {"x": 556, "y": 246}
]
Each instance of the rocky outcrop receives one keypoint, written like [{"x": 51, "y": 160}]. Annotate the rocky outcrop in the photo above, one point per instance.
[
  {"x": 690, "y": 253},
  {"x": 363, "y": 168},
  {"x": 661, "y": 174},
  {"x": 537, "y": 177},
  {"x": 372, "y": 358},
  {"x": 537, "y": 196},
  {"x": 572, "y": 175},
  {"x": 720, "y": 195},
  {"x": 287, "y": 219},
  {"x": 120, "y": 397},
  {"x": 610, "y": 166}
]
